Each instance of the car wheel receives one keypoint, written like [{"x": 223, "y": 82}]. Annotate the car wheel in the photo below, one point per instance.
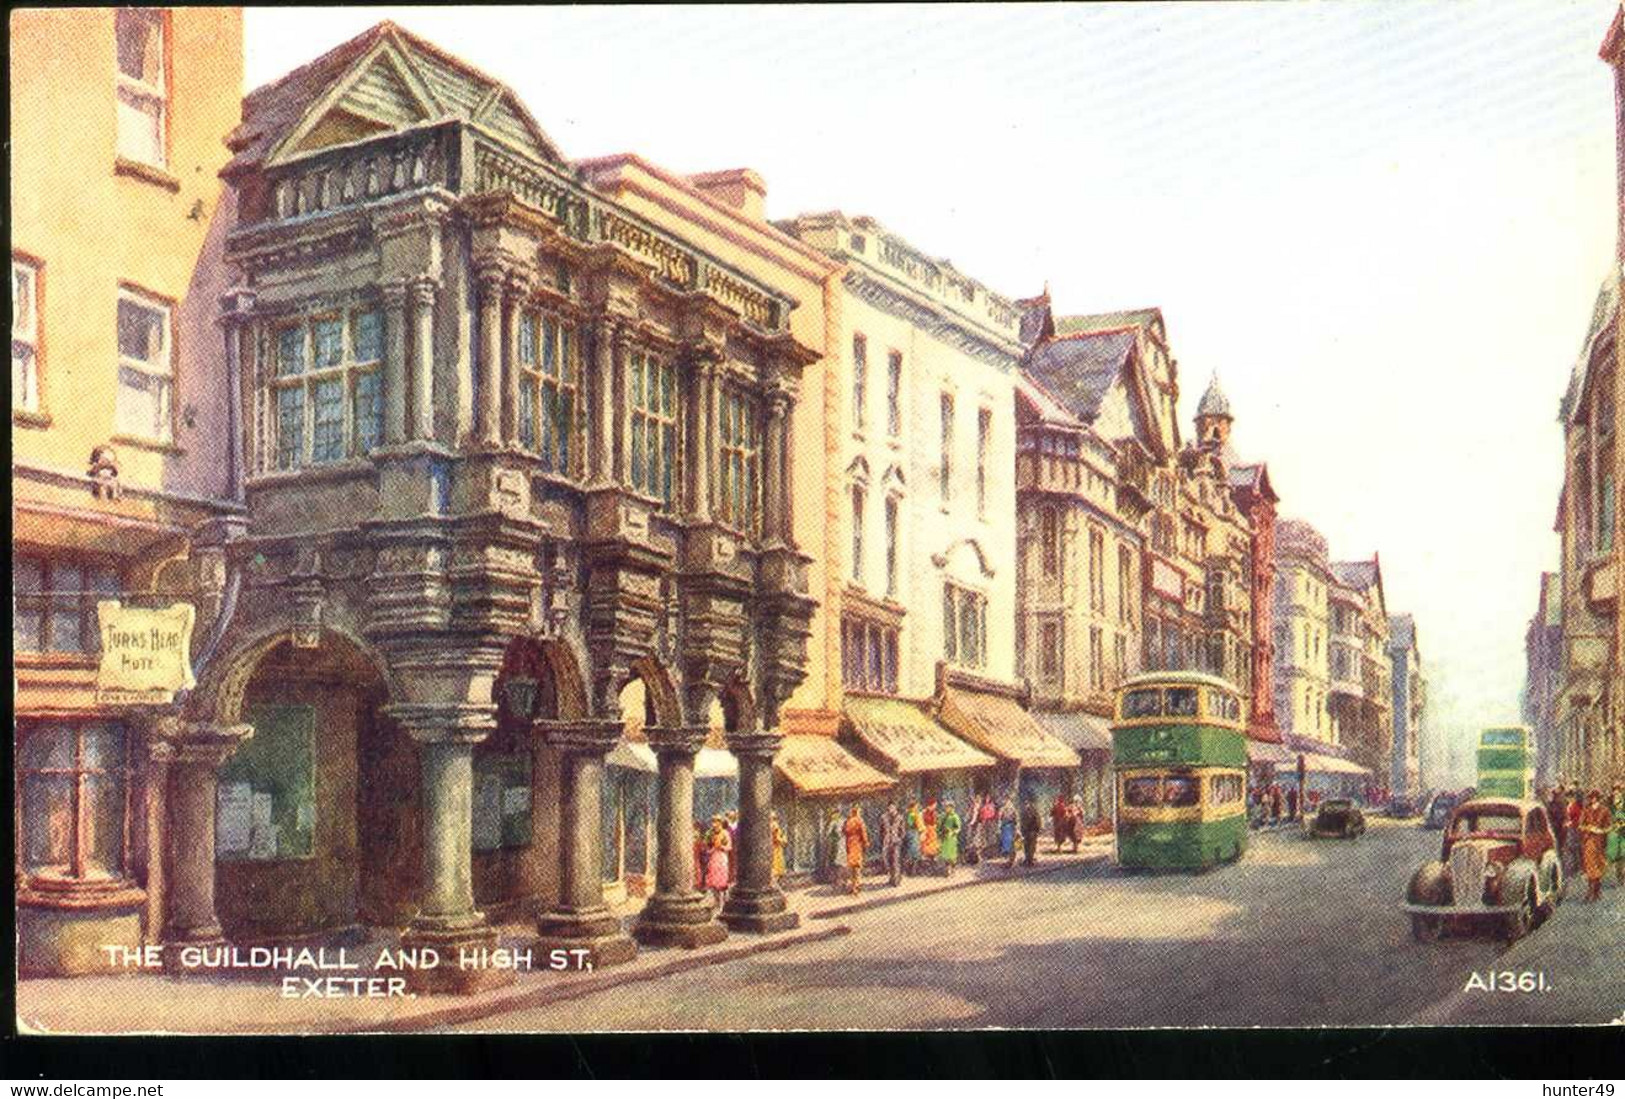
[
  {"x": 1426, "y": 929},
  {"x": 1522, "y": 920}
]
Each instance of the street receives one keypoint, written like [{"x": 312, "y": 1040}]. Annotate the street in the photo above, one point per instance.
[{"x": 1298, "y": 933}]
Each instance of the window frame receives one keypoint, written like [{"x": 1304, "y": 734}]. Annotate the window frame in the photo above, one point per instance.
[
  {"x": 81, "y": 800},
  {"x": 984, "y": 447},
  {"x": 894, "y": 393},
  {"x": 894, "y": 505},
  {"x": 166, "y": 306},
  {"x": 860, "y": 380},
  {"x": 652, "y": 455},
  {"x": 137, "y": 88},
  {"x": 945, "y": 459},
  {"x": 739, "y": 458},
  {"x": 45, "y": 602},
  {"x": 859, "y": 499},
  {"x": 348, "y": 371},
  {"x": 549, "y": 415},
  {"x": 33, "y": 339}
]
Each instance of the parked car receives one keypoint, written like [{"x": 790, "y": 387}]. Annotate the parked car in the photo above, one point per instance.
[
  {"x": 1499, "y": 866},
  {"x": 1439, "y": 810},
  {"x": 1401, "y": 807},
  {"x": 1336, "y": 817}
]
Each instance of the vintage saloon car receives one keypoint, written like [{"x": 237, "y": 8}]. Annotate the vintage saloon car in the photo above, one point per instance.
[
  {"x": 1499, "y": 867},
  {"x": 1336, "y": 817}
]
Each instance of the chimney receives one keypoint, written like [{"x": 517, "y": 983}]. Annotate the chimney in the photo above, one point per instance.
[{"x": 740, "y": 188}]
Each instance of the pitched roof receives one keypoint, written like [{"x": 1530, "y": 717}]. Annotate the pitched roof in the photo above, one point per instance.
[
  {"x": 1613, "y": 44},
  {"x": 1101, "y": 322},
  {"x": 1078, "y": 370},
  {"x": 1037, "y": 322},
  {"x": 1045, "y": 406},
  {"x": 1214, "y": 402},
  {"x": 1359, "y": 575},
  {"x": 454, "y": 89}
]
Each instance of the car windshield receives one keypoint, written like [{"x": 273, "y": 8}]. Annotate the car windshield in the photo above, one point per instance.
[
  {"x": 1502, "y": 821},
  {"x": 1502, "y": 738}
]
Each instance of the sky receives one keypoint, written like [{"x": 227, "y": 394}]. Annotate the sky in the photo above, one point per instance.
[{"x": 1384, "y": 225}]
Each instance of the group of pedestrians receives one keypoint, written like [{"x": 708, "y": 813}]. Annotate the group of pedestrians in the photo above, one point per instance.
[
  {"x": 1590, "y": 832},
  {"x": 1066, "y": 821},
  {"x": 1274, "y": 803},
  {"x": 716, "y": 866}
]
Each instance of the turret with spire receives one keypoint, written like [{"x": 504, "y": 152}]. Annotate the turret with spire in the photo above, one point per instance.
[{"x": 1213, "y": 418}]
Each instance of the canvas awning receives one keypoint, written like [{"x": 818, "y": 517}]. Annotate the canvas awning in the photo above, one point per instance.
[
  {"x": 1318, "y": 764},
  {"x": 1264, "y": 751},
  {"x": 1085, "y": 732},
  {"x": 999, "y": 726},
  {"x": 818, "y": 766},
  {"x": 906, "y": 737},
  {"x": 635, "y": 755}
]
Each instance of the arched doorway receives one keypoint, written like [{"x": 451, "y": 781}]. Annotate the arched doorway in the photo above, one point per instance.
[{"x": 297, "y": 847}]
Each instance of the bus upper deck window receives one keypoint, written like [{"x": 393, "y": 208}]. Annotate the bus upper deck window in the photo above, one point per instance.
[
  {"x": 1182, "y": 701},
  {"x": 1181, "y": 791},
  {"x": 1142, "y": 703}
]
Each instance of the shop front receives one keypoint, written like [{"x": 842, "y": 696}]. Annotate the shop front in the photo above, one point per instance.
[
  {"x": 630, "y": 810},
  {"x": 1031, "y": 763},
  {"x": 1089, "y": 735},
  {"x": 818, "y": 781}
]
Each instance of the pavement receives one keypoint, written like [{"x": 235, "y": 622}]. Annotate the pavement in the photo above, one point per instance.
[{"x": 254, "y": 1003}]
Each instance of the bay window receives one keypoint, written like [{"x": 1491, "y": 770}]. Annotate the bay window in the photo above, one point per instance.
[
  {"x": 54, "y": 603},
  {"x": 549, "y": 373},
  {"x": 326, "y": 388},
  {"x": 72, "y": 798}
]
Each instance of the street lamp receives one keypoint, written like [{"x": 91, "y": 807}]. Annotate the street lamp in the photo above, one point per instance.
[{"x": 520, "y": 693}]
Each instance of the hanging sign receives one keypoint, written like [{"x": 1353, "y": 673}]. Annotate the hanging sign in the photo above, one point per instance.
[{"x": 146, "y": 653}]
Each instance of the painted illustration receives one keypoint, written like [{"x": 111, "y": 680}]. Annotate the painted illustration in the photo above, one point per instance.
[{"x": 484, "y": 561}]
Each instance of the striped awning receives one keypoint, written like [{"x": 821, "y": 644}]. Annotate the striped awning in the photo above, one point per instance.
[
  {"x": 816, "y": 765},
  {"x": 1264, "y": 751},
  {"x": 636, "y": 755},
  {"x": 999, "y": 726},
  {"x": 906, "y": 738},
  {"x": 1085, "y": 732},
  {"x": 1317, "y": 764}
]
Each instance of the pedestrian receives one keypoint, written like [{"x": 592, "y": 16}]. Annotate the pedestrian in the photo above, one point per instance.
[
  {"x": 1572, "y": 811},
  {"x": 1596, "y": 822},
  {"x": 892, "y": 827},
  {"x": 1557, "y": 812},
  {"x": 1275, "y": 805},
  {"x": 1030, "y": 827},
  {"x": 1076, "y": 811},
  {"x": 928, "y": 836},
  {"x": 1292, "y": 803},
  {"x": 836, "y": 845},
  {"x": 1058, "y": 822},
  {"x": 857, "y": 846},
  {"x": 911, "y": 837},
  {"x": 718, "y": 866},
  {"x": 733, "y": 844},
  {"x": 990, "y": 822},
  {"x": 1007, "y": 832},
  {"x": 778, "y": 848},
  {"x": 950, "y": 826},
  {"x": 1616, "y": 838}
]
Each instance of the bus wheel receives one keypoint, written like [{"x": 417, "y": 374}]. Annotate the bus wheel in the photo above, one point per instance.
[{"x": 1426, "y": 929}]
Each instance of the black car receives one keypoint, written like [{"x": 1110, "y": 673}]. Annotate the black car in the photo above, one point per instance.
[
  {"x": 1338, "y": 817},
  {"x": 1439, "y": 810}
]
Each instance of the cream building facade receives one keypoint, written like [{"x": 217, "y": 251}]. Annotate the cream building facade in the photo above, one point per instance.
[{"x": 1303, "y": 632}]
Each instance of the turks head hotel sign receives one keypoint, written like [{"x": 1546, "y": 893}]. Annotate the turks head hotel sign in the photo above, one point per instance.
[{"x": 470, "y": 573}]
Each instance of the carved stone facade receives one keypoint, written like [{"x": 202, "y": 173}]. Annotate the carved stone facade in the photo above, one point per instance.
[{"x": 511, "y": 447}]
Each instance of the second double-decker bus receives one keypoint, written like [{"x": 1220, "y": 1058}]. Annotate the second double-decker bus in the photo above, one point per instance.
[
  {"x": 1179, "y": 750},
  {"x": 1506, "y": 762}
]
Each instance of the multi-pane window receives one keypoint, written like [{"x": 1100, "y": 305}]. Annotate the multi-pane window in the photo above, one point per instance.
[
  {"x": 857, "y": 533},
  {"x": 1120, "y": 651},
  {"x": 146, "y": 370},
  {"x": 740, "y": 452},
  {"x": 891, "y": 545},
  {"x": 869, "y": 652},
  {"x": 1097, "y": 662},
  {"x": 142, "y": 92},
  {"x": 549, "y": 381},
  {"x": 1049, "y": 651},
  {"x": 984, "y": 442},
  {"x": 1097, "y": 571},
  {"x": 1050, "y": 540},
  {"x": 860, "y": 378},
  {"x": 326, "y": 388},
  {"x": 964, "y": 626},
  {"x": 24, "y": 335},
  {"x": 654, "y": 426},
  {"x": 55, "y": 604},
  {"x": 894, "y": 394},
  {"x": 1125, "y": 582},
  {"x": 945, "y": 460},
  {"x": 72, "y": 786}
]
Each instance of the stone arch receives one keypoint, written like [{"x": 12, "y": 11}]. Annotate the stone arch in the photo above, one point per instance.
[
  {"x": 663, "y": 702},
  {"x": 738, "y": 707},
  {"x": 560, "y": 686},
  {"x": 225, "y": 687},
  {"x": 983, "y": 564}
]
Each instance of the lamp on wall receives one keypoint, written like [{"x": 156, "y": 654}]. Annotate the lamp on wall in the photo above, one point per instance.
[{"x": 519, "y": 691}]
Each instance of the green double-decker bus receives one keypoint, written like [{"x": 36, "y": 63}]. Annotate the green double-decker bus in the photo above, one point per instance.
[
  {"x": 1179, "y": 750},
  {"x": 1506, "y": 762}
]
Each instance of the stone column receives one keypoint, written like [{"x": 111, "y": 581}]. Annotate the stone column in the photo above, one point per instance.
[
  {"x": 517, "y": 290},
  {"x": 424, "y": 292},
  {"x": 491, "y": 278},
  {"x": 160, "y": 754},
  {"x": 395, "y": 371},
  {"x": 198, "y": 752},
  {"x": 446, "y": 918},
  {"x": 623, "y": 408},
  {"x": 755, "y": 903},
  {"x": 603, "y": 386},
  {"x": 703, "y": 442},
  {"x": 775, "y": 480},
  {"x": 581, "y": 919},
  {"x": 678, "y": 914}
]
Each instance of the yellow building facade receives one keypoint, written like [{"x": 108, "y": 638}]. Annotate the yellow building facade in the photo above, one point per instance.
[{"x": 121, "y": 462}]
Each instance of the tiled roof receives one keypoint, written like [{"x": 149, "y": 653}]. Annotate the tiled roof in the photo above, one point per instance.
[
  {"x": 1078, "y": 370},
  {"x": 1214, "y": 402},
  {"x": 1047, "y": 407},
  {"x": 1101, "y": 322},
  {"x": 1355, "y": 574}
]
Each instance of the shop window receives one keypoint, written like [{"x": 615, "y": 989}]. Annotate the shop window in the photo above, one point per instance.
[
  {"x": 654, "y": 427},
  {"x": 739, "y": 454},
  {"x": 146, "y": 372},
  {"x": 501, "y": 800},
  {"x": 327, "y": 397},
  {"x": 266, "y": 801},
  {"x": 549, "y": 381},
  {"x": 142, "y": 91},
  {"x": 54, "y": 603},
  {"x": 72, "y": 797},
  {"x": 24, "y": 336}
]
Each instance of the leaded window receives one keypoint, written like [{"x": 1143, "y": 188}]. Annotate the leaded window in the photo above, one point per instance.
[
  {"x": 54, "y": 603},
  {"x": 739, "y": 453},
  {"x": 964, "y": 626},
  {"x": 549, "y": 385},
  {"x": 654, "y": 426},
  {"x": 860, "y": 379},
  {"x": 327, "y": 388},
  {"x": 72, "y": 797}
]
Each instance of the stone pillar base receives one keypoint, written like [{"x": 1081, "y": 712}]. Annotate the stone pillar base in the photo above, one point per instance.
[
  {"x": 593, "y": 929},
  {"x": 761, "y": 912},
  {"x": 678, "y": 920},
  {"x": 449, "y": 977}
]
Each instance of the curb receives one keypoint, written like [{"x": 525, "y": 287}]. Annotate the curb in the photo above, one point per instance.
[
  {"x": 888, "y": 899},
  {"x": 555, "y": 993}
]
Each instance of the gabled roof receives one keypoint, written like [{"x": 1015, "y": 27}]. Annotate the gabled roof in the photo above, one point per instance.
[
  {"x": 1037, "y": 321},
  {"x": 1358, "y": 575},
  {"x": 1253, "y": 479},
  {"x": 1032, "y": 396},
  {"x": 384, "y": 79},
  {"x": 1078, "y": 370},
  {"x": 1101, "y": 322}
]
